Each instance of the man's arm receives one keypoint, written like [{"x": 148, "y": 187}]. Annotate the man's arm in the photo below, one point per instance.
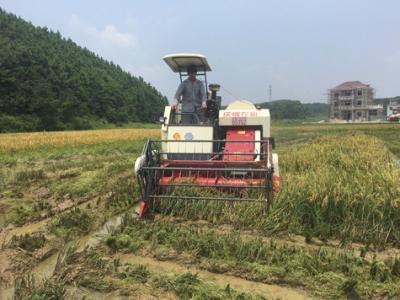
[
  {"x": 178, "y": 94},
  {"x": 203, "y": 95}
]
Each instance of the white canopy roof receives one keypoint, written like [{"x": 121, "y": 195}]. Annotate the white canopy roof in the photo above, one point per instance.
[
  {"x": 241, "y": 105},
  {"x": 178, "y": 62}
]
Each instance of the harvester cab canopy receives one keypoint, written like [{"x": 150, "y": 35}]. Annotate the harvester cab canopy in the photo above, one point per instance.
[{"x": 178, "y": 62}]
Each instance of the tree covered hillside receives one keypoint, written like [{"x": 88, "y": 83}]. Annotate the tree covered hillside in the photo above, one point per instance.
[{"x": 50, "y": 83}]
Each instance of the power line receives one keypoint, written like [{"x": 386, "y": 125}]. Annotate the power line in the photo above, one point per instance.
[{"x": 235, "y": 97}]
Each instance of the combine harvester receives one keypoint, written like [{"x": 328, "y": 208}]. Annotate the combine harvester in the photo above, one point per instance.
[{"x": 228, "y": 153}]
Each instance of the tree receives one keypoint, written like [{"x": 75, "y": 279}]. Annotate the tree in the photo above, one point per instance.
[{"x": 56, "y": 84}]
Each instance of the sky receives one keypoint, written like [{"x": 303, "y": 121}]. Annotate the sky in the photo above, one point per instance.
[{"x": 299, "y": 48}]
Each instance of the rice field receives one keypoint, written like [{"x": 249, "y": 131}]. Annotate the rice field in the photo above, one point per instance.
[
  {"x": 68, "y": 228},
  {"x": 30, "y": 141},
  {"x": 332, "y": 189}
]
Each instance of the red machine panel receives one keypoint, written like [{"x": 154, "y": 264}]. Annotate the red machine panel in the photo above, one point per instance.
[{"x": 236, "y": 151}]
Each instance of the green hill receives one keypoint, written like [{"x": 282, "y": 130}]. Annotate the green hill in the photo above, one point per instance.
[
  {"x": 295, "y": 110},
  {"x": 48, "y": 82}
]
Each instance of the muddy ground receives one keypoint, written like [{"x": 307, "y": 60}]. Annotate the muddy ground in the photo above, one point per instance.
[{"x": 62, "y": 209}]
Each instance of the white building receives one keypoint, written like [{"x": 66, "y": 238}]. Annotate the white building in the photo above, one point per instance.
[
  {"x": 352, "y": 101},
  {"x": 393, "y": 107}
]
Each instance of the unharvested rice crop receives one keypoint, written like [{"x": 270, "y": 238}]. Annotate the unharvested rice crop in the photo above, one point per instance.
[
  {"x": 313, "y": 128},
  {"x": 345, "y": 187},
  {"x": 29, "y": 141}
]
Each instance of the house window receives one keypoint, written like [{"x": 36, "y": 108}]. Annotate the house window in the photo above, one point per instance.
[
  {"x": 359, "y": 103},
  {"x": 373, "y": 112},
  {"x": 336, "y": 115},
  {"x": 359, "y": 114},
  {"x": 359, "y": 92},
  {"x": 336, "y": 103},
  {"x": 346, "y": 93},
  {"x": 347, "y": 103},
  {"x": 336, "y": 95}
]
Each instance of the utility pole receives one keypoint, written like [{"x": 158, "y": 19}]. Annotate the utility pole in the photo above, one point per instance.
[{"x": 270, "y": 93}]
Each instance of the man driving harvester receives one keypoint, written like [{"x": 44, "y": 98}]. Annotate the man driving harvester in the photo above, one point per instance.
[{"x": 193, "y": 96}]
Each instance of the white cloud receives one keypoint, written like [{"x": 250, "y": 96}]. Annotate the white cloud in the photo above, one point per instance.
[{"x": 109, "y": 35}]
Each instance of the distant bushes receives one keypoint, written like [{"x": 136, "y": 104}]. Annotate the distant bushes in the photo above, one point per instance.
[
  {"x": 28, "y": 123},
  {"x": 18, "y": 124},
  {"x": 295, "y": 110}
]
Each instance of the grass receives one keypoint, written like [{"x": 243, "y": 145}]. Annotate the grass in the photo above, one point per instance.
[
  {"x": 189, "y": 286},
  {"x": 74, "y": 222},
  {"x": 255, "y": 259},
  {"x": 51, "y": 176},
  {"x": 339, "y": 182},
  {"x": 27, "y": 289},
  {"x": 28, "y": 242},
  {"x": 22, "y": 214},
  {"x": 137, "y": 273},
  {"x": 102, "y": 274}
]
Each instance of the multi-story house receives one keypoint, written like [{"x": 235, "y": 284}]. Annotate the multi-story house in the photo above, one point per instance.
[{"x": 352, "y": 101}]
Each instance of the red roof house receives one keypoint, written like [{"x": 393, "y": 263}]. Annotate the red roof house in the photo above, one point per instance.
[{"x": 351, "y": 85}]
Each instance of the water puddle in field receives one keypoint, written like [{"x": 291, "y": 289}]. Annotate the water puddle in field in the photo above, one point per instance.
[
  {"x": 7, "y": 294},
  {"x": 45, "y": 269},
  {"x": 171, "y": 268},
  {"x": 80, "y": 293},
  {"x": 7, "y": 234},
  {"x": 26, "y": 229}
]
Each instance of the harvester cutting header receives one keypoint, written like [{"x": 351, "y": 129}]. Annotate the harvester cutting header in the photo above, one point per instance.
[{"x": 225, "y": 152}]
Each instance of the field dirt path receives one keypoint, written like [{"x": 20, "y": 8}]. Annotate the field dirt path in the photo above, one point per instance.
[
  {"x": 170, "y": 268},
  {"x": 7, "y": 233},
  {"x": 44, "y": 269},
  {"x": 286, "y": 239}
]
